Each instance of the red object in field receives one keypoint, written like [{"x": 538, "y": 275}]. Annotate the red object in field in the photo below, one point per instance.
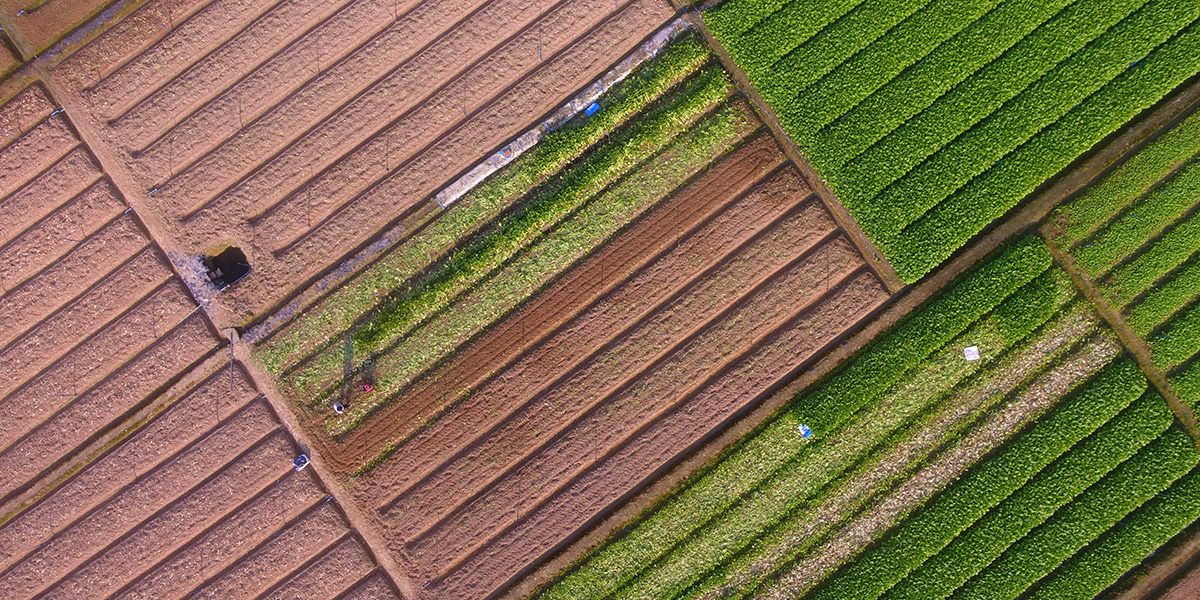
[{"x": 367, "y": 387}]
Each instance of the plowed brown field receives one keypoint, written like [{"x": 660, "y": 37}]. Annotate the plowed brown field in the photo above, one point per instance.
[
  {"x": 299, "y": 129},
  {"x": 137, "y": 462}
]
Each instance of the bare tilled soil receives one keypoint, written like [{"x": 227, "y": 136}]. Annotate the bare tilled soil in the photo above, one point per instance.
[
  {"x": 298, "y": 129},
  {"x": 41, "y": 22},
  {"x": 711, "y": 214},
  {"x": 137, "y": 462}
]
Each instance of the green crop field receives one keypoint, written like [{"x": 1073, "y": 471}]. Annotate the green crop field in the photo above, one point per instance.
[
  {"x": 1136, "y": 231},
  {"x": 930, "y": 119},
  {"x": 757, "y": 522}
]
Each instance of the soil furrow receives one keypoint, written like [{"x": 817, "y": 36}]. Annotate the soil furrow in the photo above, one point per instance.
[
  {"x": 28, "y": 108},
  {"x": 34, "y": 152},
  {"x": 222, "y": 65},
  {"x": 374, "y": 587},
  {"x": 329, "y": 575},
  {"x": 331, "y": 113},
  {"x": 142, "y": 499},
  {"x": 56, "y": 285},
  {"x": 224, "y": 544},
  {"x": 92, "y": 361},
  {"x": 87, "y": 416},
  {"x": 348, "y": 35},
  {"x": 705, "y": 219},
  {"x": 187, "y": 43},
  {"x": 48, "y": 240},
  {"x": 502, "y": 118},
  {"x": 66, "y": 178},
  {"x": 151, "y": 451},
  {"x": 369, "y": 155},
  {"x": 526, "y": 85},
  {"x": 1039, "y": 396},
  {"x": 52, "y": 19},
  {"x": 58, "y": 334},
  {"x": 634, "y": 464},
  {"x": 84, "y": 71},
  {"x": 211, "y": 504},
  {"x": 635, "y": 324},
  {"x": 496, "y": 493},
  {"x": 283, "y": 554}
]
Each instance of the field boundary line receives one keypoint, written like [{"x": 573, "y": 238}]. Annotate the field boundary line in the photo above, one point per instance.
[
  {"x": 351, "y": 511},
  {"x": 866, "y": 248},
  {"x": 1128, "y": 338},
  {"x": 1164, "y": 571},
  {"x": 444, "y": 198}
]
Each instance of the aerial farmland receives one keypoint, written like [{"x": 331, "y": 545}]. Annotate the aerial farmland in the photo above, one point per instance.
[{"x": 600, "y": 299}]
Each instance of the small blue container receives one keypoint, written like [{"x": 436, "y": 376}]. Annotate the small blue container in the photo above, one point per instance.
[
  {"x": 805, "y": 431},
  {"x": 300, "y": 462},
  {"x": 592, "y": 109}
]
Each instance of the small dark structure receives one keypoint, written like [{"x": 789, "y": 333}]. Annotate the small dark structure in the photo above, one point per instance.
[{"x": 226, "y": 268}]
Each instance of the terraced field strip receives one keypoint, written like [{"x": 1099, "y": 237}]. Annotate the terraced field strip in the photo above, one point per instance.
[
  {"x": 926, "y": 149},
  {"x": 786, "y": 495},
  {"x": 1136, "y": 234},
  {"x": 301, "y": 127}
]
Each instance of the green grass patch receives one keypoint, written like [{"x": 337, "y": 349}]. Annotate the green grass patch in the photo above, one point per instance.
[
  {"x": 339, "y": 311},
  {"x": 942, "y": 519},
  {"x": 1166, "y": 299},
  {"x": 1187, "y": 384},
  {"x": 1178, "y": 341},
  {"x": 1127, "y": 281}
]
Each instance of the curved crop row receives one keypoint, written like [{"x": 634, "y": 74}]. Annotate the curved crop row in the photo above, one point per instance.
[
  {"x": 951, "y": 512},
  {"x": 343, "y": 307}
]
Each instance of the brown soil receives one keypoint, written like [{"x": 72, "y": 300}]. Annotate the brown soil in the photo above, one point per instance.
[
  {"x": 329, "y": 575},
  {"x": 64, "y": 180},
  {"x": 44, "y": 21},
  {"x": 695, "y": 214},
  {"x": 137, "y": 462},
  {"x": 1187, "y": 588},
  {"x": 278, "y": 557},
  {"x": 9, "y": 59},
  {"x": 92, "y": 362},
  {"x": 56, "y": 337},
  {"x": 704, "y": 272},
  {"x": 529, "y": 539},
  {"x": 315, "y": 164},
  {"x": 85, "y": 265},
  {"x": 374, "y": 587},
  {"x": 98, "y": 408},
  {"x": 33, "y": 151},
  {"x": 55, "y": 235}
]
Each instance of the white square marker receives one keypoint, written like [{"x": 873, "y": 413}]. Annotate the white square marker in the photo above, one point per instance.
[{"x": 971, "y": 352}]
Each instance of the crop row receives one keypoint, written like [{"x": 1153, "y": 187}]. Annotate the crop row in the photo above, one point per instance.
[
  {"x": 490, "y": 248},
  {"x": 1187, "y": 383},
  {"x": 955, "y": 509},
  {"x": 1154, "y": 262},
  {"x": 1097, "y": 205},
  {"x": 941, "y": 146},
  {"x": 1178, "y": 341},
  {"x": 1031, "y": 505},
  {"x": 1095, "y": 511},
  {"x": 727, "y": 544},
  {"x": 1166, "y": 298},
  {"x": 1144, "y": 219},
  {"x": 774, "y": 452},
  {"x": 558, "y": 249},
  {"x": 1121, "y": 548},
  {"x": 343, "y": 307}
]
